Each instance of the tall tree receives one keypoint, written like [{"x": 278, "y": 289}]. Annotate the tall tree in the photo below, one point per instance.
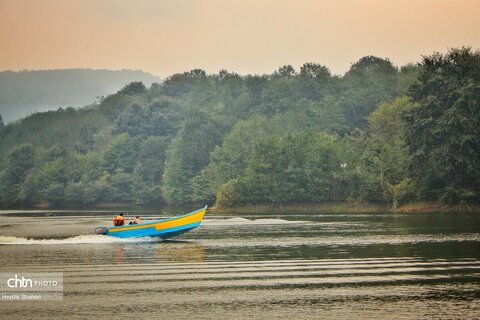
[
  {"x": 188, "y": 155},
  {"x": 443, "y": 131},
  {"x": 384, "y": 159},
  {"x": 313, "y": 81},
  {"x": 286, "y": 71},
  {"x": 369, "y": 82}
]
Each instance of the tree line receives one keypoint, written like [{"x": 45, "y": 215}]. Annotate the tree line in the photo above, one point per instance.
[{"x": 377, "y": 134}]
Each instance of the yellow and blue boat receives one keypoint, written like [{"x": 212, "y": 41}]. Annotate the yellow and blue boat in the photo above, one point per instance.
[{"x": 164, "y": 229}]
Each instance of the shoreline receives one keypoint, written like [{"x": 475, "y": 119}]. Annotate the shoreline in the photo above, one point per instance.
[
  {"x": 339, "y": 207},
  {"x": 345, "y": 207}
]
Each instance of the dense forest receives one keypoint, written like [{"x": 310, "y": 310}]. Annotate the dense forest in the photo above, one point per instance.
[
  {"x": 377, "y": 134},
  {"x": 25, "y": 92}
]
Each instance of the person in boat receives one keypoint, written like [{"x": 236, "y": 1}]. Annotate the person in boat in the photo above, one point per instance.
[
  {"x": 137, "y": 220},
  {"x": 119, "y": 220}
]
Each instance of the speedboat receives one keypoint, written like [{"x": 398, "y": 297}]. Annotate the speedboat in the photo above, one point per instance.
[{"x": 164, "y": 229}]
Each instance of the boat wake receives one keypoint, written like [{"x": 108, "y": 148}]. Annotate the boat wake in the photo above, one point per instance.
[
  {"x": 243, "y": 221},
  {"x": 82, "y": 239}
]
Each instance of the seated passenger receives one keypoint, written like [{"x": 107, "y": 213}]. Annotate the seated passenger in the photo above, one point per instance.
[
  {"x": 119, "y": 221},
  {"x": 137, "y": 220}
]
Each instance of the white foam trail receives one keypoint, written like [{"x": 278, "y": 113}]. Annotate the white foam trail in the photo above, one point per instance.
[
  {"x": 243, "y": 221},
  {"x": 83, "y": 239}
]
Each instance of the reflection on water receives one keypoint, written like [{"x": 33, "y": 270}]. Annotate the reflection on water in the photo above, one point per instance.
[
  {"x": 168, "y": 251},
  {"x": 305, "y": 266},
  {"x": 38, "y": 255}
]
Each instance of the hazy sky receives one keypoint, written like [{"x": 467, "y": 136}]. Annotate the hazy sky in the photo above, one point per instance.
[{"x": 246, "y": 36}]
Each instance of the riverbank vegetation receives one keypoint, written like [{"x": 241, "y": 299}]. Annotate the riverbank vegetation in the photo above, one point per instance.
[{"x": 378, "y": 135}]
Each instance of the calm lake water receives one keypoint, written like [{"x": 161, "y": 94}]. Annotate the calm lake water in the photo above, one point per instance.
[{"x": 247, "y": 266}]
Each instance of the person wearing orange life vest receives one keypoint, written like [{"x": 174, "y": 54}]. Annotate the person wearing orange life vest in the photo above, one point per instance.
[{"x": 119, "y": 220}]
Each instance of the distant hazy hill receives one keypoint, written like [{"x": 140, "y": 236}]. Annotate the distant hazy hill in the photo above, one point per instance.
[{"x": 25, "y": 92}]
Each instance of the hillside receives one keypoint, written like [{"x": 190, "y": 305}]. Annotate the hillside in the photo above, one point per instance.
[
  {"x": 25, "y": 92},
  {"x": 378, "y": 134}
]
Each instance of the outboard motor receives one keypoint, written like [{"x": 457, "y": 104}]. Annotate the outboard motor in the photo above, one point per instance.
[{"x": 101, "y": 230}]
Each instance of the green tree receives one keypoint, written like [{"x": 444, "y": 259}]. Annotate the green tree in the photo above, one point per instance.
[
  {"x": 161, "y": 117},
  {"x": 181, "y": 84},
  {"x": 74, "y": 194},
  {"x": 313, "y": 81},
  {"x": 229, "y": 160},
  {"x": 165, "y": 116},
  {"x": 255, "y": 86},
  {"x": 325, "y": 115},
  {"x": 384, "y": 159},
  {"x": 133, "y": 88},
  {"x": 122, "y": 186},
  {"x": 369, "y": 82},
  {"x": 132, "y": 121},
  {"x": 2, "y": 125},
  {"x": 149, "y": 171},
  {"x": 188, "y": 155},
  {"x": 52, "y": 180},
  {"x": 277, "y": 97},
  {"x": 408, "y": 75},
  {"x": 121, "y": 154},
  {"x": 443, "y": 130},
  {"x": 17, "y": 166},
  {"x": 286, "y": 71}
]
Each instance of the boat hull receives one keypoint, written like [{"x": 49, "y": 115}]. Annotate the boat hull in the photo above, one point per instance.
[{"x": 162, "y": 229}]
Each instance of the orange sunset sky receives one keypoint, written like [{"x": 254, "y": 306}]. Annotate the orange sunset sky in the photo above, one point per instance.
[{"x": 249, "y": 36}]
